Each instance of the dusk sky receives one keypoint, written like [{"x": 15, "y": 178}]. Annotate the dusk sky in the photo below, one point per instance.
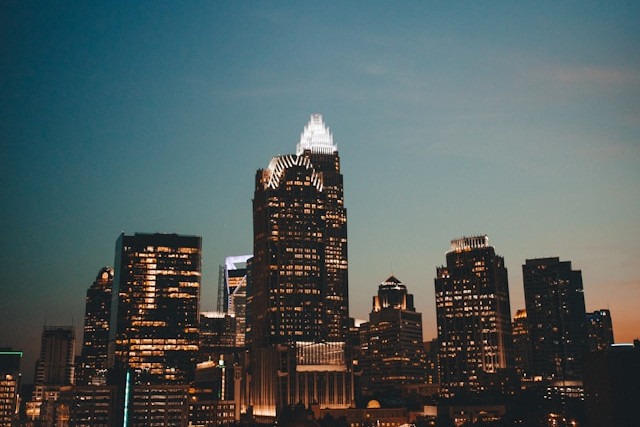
[{"x": 519, "y": 120}]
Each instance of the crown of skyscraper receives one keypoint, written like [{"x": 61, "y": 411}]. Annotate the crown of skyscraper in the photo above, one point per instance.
[
  {"x": 316, "y": 137},
  {"x": 468, "y": 243}
]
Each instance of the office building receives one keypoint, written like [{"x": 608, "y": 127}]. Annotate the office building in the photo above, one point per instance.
[
  {"x": 153, "y": 331},
  {"x": 217, "y": 335},
  {"x": 92, "y": 363},
  {"x": 88, "y": 405},
  {"x": 232, "y": 294},
  {"x": 54, "y": 369},
  {"x": 521, "y": 345},
  {"x": 556, "y": 318},
  {"x": 10, "y": 381},
  {"x": 473, "y": 317},
  {"x": 599, "y": 330},
  {"x": 297, "y": 288},
  {"x": 392, "y": 349}
]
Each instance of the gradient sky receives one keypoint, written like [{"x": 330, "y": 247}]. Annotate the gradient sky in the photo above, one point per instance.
[{"x": 519, "y": 120}]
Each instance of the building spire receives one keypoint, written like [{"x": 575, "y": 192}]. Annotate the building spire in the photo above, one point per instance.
[{"x": 316, "y": 137}]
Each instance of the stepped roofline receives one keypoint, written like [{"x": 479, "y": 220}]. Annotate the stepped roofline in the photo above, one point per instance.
[{"x": 316, "y": 137}]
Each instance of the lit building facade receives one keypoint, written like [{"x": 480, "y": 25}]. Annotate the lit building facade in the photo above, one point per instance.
[
  {"x": 473, "y": 316},
  {"x": 556, "y": 318},
  {"x": 92, "y": 363},
  {"x": 392, "y": 353},
  {"x": 154, "y": 311},
  {"x": 297, "y": 288},
  {"x": 599, "y": 330},
  {"x": 10, "y": 376},
  {"x": 521, "y": 345},
  {"x": 232, "y": 294}
]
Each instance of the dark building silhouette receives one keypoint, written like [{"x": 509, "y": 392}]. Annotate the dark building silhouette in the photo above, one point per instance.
[
  {"x": 521, "y": 345},
  {"x": 92, "y": 363},
  {"x": 431, "y": 356},
  {"x": 54, "y": 369},
  {"x": 392, "y": 348},
  {"x": 611, "y": 379},
  {"x": 474, "y": 319},
  {"x": 217, "y": 335},
  {"x": 556, "y": 318},
  {"x": 599, "y": 330},
  {"x": 297, "y": 288},
  {"x": 154, "y": 312}
]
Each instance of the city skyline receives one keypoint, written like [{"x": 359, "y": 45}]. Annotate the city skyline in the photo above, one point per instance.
[{"x": 451, "y": 121}]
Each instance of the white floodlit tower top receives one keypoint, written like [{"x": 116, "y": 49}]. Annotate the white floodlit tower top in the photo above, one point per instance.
[{"x": 316, "y": 137}]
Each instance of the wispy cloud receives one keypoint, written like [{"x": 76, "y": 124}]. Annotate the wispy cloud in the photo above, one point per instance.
[
  {"x": 592, "y": 75},
  {"x": 586, "y": 74}
]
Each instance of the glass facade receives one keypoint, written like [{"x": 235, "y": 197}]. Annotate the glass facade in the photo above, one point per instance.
[{"x": 155, "y": 302}]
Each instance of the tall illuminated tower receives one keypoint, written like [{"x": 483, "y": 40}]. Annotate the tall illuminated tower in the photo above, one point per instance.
[
  {"x": 154, "y": 311},
  {"x": 92, "y": 363},
  {"x": 298, "y": 288},
  {"x": 473, "y": 315},
  {"x": 556, "y": 318}
]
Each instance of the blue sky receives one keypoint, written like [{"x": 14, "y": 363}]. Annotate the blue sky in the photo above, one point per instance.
[{"x": 520, "y": 120}]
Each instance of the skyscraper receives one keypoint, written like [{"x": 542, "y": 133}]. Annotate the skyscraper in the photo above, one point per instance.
[
  {"x": 392, "y": 348},
  {"x": 92, "y": 366},
  {"x": 54, "y": 368},
  {"x": 154, "y": 312},
  {"x": 556, "y": 318},
  {"x": 473, "y": 315},
  {"x": 599, "y": 330},
  {"x": 298, "y": 290},
  {"x": 232, "y": 294}
]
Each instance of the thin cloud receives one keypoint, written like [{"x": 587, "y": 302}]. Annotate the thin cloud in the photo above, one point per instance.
[{"x": 593, "y": 75}]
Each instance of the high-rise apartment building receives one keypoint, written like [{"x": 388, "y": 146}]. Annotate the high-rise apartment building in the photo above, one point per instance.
[
  {"x": 473, "y": 316},
  {"x": 298, "y": 290},
  {"x": 92, "y": 364},
  {"x": 556, "y": 318},
  {"x": 232, "y": 294},
  {"x": 599, "y": 330},
  {"x": 155, "y": 307},
  {"x": 392, "y": 348}
]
